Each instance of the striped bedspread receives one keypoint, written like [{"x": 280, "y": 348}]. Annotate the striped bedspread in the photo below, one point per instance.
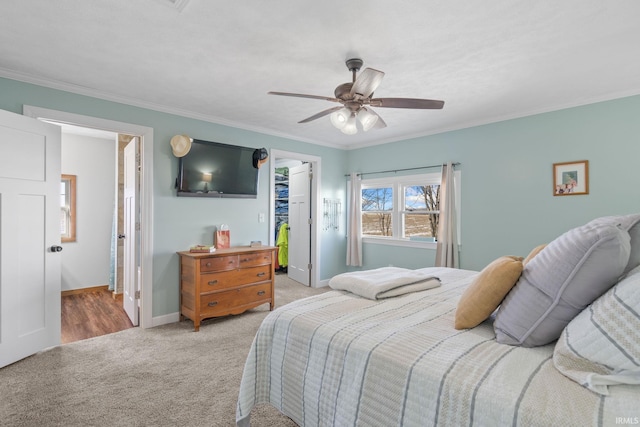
[{"x": 336, "y": 359}]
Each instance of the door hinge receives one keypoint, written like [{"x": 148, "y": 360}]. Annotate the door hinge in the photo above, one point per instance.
[
  {"x": 310, "y": 221},
  {"x": 309, "y": 266},
  {"x": 137, "y": 226},
  {"x": 137, "y": 294}
]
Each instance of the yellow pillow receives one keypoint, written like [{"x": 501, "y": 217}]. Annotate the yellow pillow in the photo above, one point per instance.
[
  {"x": 487, "y": 291},
  {"x": 535, "y": 251}
]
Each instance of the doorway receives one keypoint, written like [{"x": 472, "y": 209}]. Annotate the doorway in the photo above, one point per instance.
[
  {"x": 145, "y": 227},
  {"x": 92, "y": 259},
  {"x": 310, "y": 240}
]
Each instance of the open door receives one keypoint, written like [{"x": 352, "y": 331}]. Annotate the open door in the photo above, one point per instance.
[
  {"x": 299, "y": 268},
  {"x": 130, "y": 271},
  {"x": 29, "y": 236}
]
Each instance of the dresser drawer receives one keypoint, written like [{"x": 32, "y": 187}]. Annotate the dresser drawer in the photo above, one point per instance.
[
  {"x": 211, "y": 282},
  {"x": 249, "y": 260},
  {"x": 221, "y": 303},
  {"x": 219, "y": 263}
]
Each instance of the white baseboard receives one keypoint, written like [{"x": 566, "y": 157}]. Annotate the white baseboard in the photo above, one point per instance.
[
  {"x": 323, "y": 283},
  {"x": 167, "y": 318}
]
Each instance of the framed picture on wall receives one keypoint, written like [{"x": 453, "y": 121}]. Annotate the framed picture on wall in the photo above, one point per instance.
[{"x": 571, "y": 178}]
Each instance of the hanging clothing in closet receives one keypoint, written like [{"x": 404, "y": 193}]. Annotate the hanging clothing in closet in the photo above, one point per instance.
[{"x": 283, "y": 245}]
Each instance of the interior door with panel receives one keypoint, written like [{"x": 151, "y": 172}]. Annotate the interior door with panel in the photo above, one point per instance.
[
  {"x": 130, "y": 269},
  {"x": 299, "y": 223},
  {"x": 29, "y": 236}
]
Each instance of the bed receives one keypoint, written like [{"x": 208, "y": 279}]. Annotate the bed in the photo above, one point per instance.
[{"x": 337, "y": 359}]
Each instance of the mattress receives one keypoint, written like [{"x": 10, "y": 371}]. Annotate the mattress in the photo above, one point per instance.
[{"x": 337, "y": 359}]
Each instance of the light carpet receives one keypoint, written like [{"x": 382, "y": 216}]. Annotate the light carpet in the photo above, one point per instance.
[{"x": 162, "y": 376}]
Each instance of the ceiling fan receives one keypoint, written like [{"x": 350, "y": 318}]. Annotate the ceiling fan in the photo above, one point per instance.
[{"x": 356, "y": 99}]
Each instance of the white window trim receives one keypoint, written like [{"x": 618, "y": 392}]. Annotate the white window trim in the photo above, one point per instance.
[{"x": 397, "y": 182}]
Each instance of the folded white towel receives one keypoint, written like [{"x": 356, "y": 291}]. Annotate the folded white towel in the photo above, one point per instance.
[{"x": 384, "y": 282}]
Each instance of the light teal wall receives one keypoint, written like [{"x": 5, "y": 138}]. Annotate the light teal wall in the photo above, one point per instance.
[
  {"x": 507, "y": 201},
  {"x": 181, "y": 222}
]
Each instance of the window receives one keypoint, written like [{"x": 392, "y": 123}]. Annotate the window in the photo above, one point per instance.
[
  {"x": 377, "y": 211},
  {"x": 401, "y": 210},
  {"x": 68, "y": 208},
  {"x": 421, "y": 211}
]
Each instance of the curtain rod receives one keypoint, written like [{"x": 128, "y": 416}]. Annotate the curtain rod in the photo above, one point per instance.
[{"x": 405, "y": 169}]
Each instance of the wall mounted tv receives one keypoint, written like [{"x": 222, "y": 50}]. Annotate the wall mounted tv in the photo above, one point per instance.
[{"x": 213, "y": 169}]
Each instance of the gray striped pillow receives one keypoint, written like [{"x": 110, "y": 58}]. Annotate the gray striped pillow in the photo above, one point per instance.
[
  {"x": 601, "y": 346},
  {"x": 558, "y": 283}
]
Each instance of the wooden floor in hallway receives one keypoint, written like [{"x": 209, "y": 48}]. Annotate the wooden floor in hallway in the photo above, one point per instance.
[{"x": 91, "y": 314}]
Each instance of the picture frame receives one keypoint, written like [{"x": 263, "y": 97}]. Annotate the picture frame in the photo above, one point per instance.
[{"x": 571, "y": 178}]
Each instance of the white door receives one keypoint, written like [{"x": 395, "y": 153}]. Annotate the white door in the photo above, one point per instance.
[
  {"x": 130, "y": 268},
  {"x": 29, "y": 236},
  {"x": 299, "y": 223}
]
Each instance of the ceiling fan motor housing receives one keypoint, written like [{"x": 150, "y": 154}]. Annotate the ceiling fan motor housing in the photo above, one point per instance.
[{"x": 343, "y": 92}]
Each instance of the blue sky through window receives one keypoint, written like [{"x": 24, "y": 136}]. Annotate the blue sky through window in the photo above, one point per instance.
[
  {"x": 377, "y": 199},
  {"x": 414, "y": 198},
  {"x": 381, "y": 199}
]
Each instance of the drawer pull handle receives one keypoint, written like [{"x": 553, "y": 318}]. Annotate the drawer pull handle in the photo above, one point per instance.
[
  {"x": 208, "y": 264},
  {"x": 261, "y": 293},
  {"x": 213, "y": 303},
  {"x": 213, "y": 282},
  {"x": 245, "y": 260},
  {"x": 261, "y": 274}
]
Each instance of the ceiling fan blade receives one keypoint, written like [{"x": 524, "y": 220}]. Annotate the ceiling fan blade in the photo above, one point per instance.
[
  {"x": 368, "y": 81},
  {"x": 379, "y": 123},
  {"x": 301, "y": 95},
  {"x": 321, "y": 114},
  {"x": 427, "y": 104}
]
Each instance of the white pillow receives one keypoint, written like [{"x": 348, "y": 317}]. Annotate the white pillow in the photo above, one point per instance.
[{"x": 601, "y": 346}]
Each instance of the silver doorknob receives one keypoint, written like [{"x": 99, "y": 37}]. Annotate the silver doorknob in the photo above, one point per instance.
[{"x": 56, "y": 248}]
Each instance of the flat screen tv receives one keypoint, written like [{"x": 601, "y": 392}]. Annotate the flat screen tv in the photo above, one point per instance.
[{"x": 213, "y": 169}]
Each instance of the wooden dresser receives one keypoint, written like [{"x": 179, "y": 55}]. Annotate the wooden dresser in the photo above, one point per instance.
[{"x": 228, "y": 281}]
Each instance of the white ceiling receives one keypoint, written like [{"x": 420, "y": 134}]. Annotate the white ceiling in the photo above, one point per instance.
[{"x": 216, "y": 60}]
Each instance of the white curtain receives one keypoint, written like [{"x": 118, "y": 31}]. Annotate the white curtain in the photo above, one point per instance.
[
  {"x": 354, "y": 221},
  {"x": 447, "y": 245}
]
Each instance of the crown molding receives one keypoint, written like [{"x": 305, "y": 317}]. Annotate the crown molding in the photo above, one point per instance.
[
  {"x": 81, "y": 90},
  {"x": 93, "y": 93}
]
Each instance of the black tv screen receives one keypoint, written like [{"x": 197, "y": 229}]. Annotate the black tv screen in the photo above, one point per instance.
[{"x": 213, "y": 169}]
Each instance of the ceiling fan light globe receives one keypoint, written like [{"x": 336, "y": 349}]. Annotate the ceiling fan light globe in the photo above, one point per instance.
[
  {"x": 350, "y": 127},
  {"x": 367, "y": 119},
  {"x": 339, "y": 118}
]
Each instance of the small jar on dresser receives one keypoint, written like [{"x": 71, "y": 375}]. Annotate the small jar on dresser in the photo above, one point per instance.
[{"x": 224, "y": 282}]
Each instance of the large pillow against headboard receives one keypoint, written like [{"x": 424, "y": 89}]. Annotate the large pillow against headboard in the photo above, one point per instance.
[
  {"x": 560, "y": 281},
  {"x": 630, "y": 223},
  {"x": 601, "y": 346}
]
